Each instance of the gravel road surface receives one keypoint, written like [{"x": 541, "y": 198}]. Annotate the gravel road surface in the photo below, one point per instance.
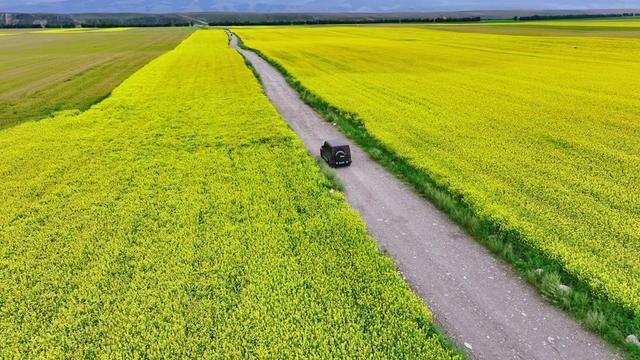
[{"x": 475, "y": 298}]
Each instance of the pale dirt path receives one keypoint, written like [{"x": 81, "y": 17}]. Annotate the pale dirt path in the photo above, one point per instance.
[
  {"x": 197, "y": 21},
  {"x": 477, "y": 299}
]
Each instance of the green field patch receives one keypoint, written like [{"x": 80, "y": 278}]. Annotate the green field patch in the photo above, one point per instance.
[{"x": 44, "y": 74}]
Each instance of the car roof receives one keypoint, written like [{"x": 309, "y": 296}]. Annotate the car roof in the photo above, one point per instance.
[{"x": 337, "y": 142}]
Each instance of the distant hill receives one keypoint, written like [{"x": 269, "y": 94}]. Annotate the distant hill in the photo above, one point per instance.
[{"x": 172, "y": 6}]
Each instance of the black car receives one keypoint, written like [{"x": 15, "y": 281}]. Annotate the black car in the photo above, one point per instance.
[{"x": 336, "y": 153}]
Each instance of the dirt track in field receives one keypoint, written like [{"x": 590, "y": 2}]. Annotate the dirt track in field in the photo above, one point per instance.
[{"x": 475, "y": 298}]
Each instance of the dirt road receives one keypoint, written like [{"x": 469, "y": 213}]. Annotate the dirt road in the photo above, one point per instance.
[{"x": 477, "y": 300}]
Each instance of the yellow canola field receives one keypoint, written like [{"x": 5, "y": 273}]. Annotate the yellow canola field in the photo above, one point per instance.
[
  {"x": 182, "y": 218},
  {"x": 539, "y": 133}
]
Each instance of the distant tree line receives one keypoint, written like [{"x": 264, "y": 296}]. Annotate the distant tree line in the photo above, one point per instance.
[
  {"x": 12, "y": 20},
  {"x": 18, "y": 20},
  {"x": 570, "y": 17},
  {"x": 9, "y": 20},
  {"x": 101, "y": 25},
  {"x": 345, "y": 21}
]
